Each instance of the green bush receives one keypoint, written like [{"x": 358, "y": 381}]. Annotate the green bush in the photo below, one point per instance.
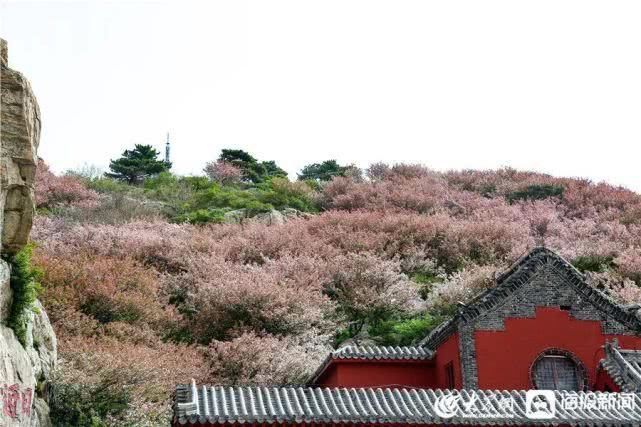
[
  {"x": 109, "y": 185},
  {"x": 281, "y": 194},
  {"x": 536, "y": 192},
  {"x": 197, "y": 200},
  {"x": 426, "y": 279},
  {"x": 88, "y": 405},
  {"x": 202, "y": 216},
  {"x": 25, "y": 287},
  {"x": 595, "y": 263},
  {"x": 104, "y": 310},
  {"x": 403, "y": 331}
]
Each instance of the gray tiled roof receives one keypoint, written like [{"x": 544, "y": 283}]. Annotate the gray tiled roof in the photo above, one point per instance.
[
  {"x": 516, "y": 276},
  {"x": 624, "y": 366},
  {"x": 235, "y": 404},
  {"x": 373, "y": 352},
  {"x": 382, "y": 352}
]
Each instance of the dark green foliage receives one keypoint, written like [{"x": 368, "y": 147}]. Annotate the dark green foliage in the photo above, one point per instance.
[
  {"x": 253, "y": 170},
  {"x": 593, "y": 263},
  {"x": 88, "y": 405},
  {"x": 536, "y": 192},
  {"x": 25, "y": 288},
  {"x": 281, "y": 194},
  {"x": 103, "y": 309},
  {"x": 272, "y": 170},
  {"x": 344, "y": 334},
  {"x": 239, "y": 158},
  {"x": 137, "y": 164},
  {"x": 202, "y": 216},
  {"x": 324, "y": 171},
  {"x": 197, "y": 200},
  {"x": 211, "y": 204},
  {"x": 403, "y": 331},
  {"x": 426, "y": 279},
  {"x": 217, "y": 196}
]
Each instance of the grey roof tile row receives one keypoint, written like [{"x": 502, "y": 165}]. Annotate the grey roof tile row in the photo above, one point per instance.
[
  {"x": 382, "y": 353},
  {"x": 235, "y": 404},
  {"x": 624, "y": 366}
]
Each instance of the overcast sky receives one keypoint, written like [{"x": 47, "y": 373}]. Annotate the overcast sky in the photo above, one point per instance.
[{"x": 553, "y": 86}]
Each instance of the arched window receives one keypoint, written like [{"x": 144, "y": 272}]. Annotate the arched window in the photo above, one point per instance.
[{"x": 558, "y": 370}]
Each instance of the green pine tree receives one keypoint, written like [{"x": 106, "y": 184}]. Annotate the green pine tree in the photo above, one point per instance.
[{"x": 137, "y": 164}]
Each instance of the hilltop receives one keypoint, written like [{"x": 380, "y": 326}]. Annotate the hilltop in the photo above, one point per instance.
[{"x": 224, "y": 279}]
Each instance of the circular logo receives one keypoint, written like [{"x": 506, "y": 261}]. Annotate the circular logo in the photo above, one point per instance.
[{"x": 445, "y": 406}]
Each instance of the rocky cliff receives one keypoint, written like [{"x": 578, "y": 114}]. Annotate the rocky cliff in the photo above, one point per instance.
[{"x": 24, "y": 368}]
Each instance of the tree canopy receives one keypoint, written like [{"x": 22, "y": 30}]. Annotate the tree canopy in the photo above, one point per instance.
[
  {"x": 137, "y": 164},
  {"x": 324, "y": 171},
  {"x": 253, "y": 170}
]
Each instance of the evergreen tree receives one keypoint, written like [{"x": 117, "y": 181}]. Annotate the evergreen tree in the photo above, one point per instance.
[
  {"x": 253, "y": 170},
  {"x": 137, "y": 164},
  {"x": 322, "y": 171}
]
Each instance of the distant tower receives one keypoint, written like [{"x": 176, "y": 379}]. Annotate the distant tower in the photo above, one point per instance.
[{"x": 167, "y": 149}]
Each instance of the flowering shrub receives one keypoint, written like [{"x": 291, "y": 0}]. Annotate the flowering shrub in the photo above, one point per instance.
[
  {"x": 460, "y": 287},
  {"x": 108, "y": 383},
  {"x": 56, "y": 191},
  {"x": 371, "y": 289},
  {"x": 629, "y": 263},
  {"x": 224, "y": 173},
  {"x": 103, "y": 288},
  {"x": 252, "y": 359},
  {"x": 282, "y": 297},
  {"x": 384, "y": 261}
]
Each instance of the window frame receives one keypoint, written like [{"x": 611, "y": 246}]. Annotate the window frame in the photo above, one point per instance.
[
  {"x": 450, "y": 378},
  {"x": 581, "y": 372}
]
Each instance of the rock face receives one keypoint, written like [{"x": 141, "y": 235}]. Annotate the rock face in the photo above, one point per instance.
[
  {"x": 24, "y": 369},
  {"x": 20, "y": 135},
  {"x": 272, "y": 217}
]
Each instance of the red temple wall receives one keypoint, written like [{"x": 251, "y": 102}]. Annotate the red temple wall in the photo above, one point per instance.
[
  {"x": 448, "y": 352},
  {"x": 368, "y": 373},
  {"x": 504, "y": 358}
]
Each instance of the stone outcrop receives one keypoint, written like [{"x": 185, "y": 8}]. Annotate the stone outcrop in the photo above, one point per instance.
[
  {"x": 24, "y": 369},
  {"x": 273, "y": 217},
  {"x": 20, "y": 133}
]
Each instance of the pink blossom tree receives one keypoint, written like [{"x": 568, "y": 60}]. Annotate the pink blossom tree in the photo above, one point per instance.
[{"x": 225, "y": 173}]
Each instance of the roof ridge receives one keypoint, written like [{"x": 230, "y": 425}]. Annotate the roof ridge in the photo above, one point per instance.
[
  {"x": 381, "y": 352},
  {"x": 516, "y": 276}
]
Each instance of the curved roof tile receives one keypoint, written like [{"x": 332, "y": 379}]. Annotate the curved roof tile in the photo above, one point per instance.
[
  {"x": 624, "y": 366},
  {"x": 382, "y": 352},
  {"x": 237, "y": 404}
]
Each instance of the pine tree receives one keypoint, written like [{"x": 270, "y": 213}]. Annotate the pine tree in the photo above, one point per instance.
[
  {"x": 322, "y": 171},
  {"x": 137, "y": 164}
]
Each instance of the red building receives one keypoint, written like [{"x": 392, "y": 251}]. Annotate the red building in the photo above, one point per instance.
[{"x": 542, "y": 347}]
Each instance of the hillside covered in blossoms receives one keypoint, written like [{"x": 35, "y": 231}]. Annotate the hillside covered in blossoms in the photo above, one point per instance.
[{"x": 235, "y": 281}]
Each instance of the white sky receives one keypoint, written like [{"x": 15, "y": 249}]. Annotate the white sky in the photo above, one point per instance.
[{"x": 553, "y": 86}]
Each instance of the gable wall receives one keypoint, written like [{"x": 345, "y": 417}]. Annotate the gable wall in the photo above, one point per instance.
[
  {"x": 498, "y": 347},
  {"x": 504, "y": 358}
]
